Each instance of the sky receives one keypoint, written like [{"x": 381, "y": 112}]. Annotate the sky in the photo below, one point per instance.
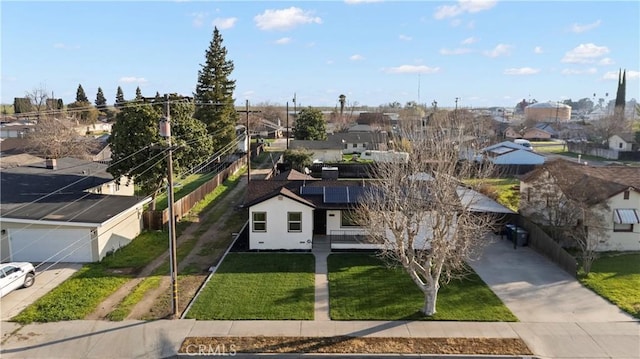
[{"x": 478, "y": 53}]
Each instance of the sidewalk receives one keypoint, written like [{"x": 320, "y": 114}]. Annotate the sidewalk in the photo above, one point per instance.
[{"x": 162, "y": 339}]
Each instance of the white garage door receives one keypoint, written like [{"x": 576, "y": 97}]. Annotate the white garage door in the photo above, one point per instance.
[{"x": 50, "y": 245}]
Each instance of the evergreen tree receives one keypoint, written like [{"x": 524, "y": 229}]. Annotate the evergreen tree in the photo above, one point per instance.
[
  {"x": 80, "y": 95},
  {"x": 138, "y": 94},
  {"x": 214, "y": 93},
  {"x": 60, "y": 104},
  {"x": 310, "y": 125},
  {"x": 621, "y": 94},
  {"x": 101, "y": 101},
  {"x": 119, "y": 98}
]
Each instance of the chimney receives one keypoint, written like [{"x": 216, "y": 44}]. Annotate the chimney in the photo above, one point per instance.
[{"x": 51, "y": 163}]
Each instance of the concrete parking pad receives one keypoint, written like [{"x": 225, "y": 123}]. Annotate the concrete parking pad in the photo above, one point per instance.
[
  {"x": 537, "y": 290},
  {"x": 48, "y": 276}
]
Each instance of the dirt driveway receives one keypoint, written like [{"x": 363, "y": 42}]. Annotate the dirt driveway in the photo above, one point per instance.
[{"x": 48, "y": 276}]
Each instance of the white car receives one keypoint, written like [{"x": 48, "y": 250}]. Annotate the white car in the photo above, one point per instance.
[{"x": 16, "y": 275}]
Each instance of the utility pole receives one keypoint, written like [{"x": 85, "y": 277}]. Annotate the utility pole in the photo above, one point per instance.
[
  {"x": 295, "y": 109},
  {"x": 247, "y": 112},
  {"x": 165, "y": 131},
  {"x": 288, "y": 134}
]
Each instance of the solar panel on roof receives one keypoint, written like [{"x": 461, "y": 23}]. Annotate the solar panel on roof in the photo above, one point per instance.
[
  {"x": 305, "y": 190},
  {"x": 335, "y": 195}
]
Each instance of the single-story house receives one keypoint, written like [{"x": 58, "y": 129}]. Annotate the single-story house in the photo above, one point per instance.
[
  {"x": 65, "y": 210},
  {"x": 509, "y": 153},
  {"x": 510, "y": 132},
  {"x": 612, "y": 192},
  {"x": 322, "y": 151},
  {"x": 623, "y": 142},
  {"x": 355, "y": 142},
  {"x": 288, "y": 214},
  {"x": 536, "y": 133}
]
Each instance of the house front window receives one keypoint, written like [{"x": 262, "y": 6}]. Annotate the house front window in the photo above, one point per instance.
[
  {"x": 623, "y": 227},
  {"x": 294, "y": 221},
  {"x": 626, "y": 194},
  {"x": 259, "y": 221},
  {"x": 347, "y": 219}
]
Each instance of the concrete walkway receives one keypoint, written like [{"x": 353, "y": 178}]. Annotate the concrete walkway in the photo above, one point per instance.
[
  {"x": 321, "y": 250},
  {"x": 537, "y": 290}
]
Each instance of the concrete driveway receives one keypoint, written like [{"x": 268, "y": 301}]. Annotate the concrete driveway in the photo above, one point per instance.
[
  {"x": 537, "y": 290},
  {"x": 48, "y": 276}
]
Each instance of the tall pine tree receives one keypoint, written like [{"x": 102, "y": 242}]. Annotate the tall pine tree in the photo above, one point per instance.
[
  {"x": 214, "y": 94},
  {"x": 119, "y": 98},
  {"x": 138, "y": 94},
  {"x": 621, "y": 94},
  {"x": 80, "y": 95},
  {"x": 101, "y": 101}
]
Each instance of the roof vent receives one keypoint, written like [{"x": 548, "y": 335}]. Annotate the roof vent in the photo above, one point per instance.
[{"x": 51, "y": 163}]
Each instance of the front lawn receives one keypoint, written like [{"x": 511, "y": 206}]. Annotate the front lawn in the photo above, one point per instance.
[
  {"x": 361, "y": 287},
  {"x": 276, "y": 286},
  {"x": 616, "y": 277},
  {"x": 505, "y": 191}
]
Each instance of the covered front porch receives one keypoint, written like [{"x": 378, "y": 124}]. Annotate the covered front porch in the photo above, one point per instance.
[{"x": 344, "y": 240}]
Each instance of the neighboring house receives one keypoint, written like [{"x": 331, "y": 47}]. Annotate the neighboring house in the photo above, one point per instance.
[
  {"x": 267, "y": 129},
  {"x": 322, "y": 151},
  {"x": 287, "y": 214},
  {"x": 65, "y": 210},
  {"x": 360, "y": 142},
  {"x": 548, "y": 128},
  {"x": 618, "y": 188},
  {"x": 510, "y": 132},
  {"x": 623, "y": 142},
  {"x": 509, "y": 153},
  {"x": 17, "y": 129},
  {"x": 536, "y": 134}
]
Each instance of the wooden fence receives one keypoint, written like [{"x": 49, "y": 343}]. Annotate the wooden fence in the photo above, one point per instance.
[
  {"x": 156, "y": 220},
  {"x": 545, "y": 245}
]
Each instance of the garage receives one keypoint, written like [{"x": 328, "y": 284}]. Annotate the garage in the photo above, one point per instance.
[{"x": 50, "y": 245}]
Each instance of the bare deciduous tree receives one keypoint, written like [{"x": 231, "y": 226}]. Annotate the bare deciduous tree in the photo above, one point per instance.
[
  {"x": 423, "y": 215},
  {"x": 38, "y": 97},
  {"x": 54, "y": 138}
]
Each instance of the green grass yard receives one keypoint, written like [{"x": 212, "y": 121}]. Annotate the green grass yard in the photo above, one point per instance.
[
  {"x": 616, "y": 277},
  {"x": 79, "y": 295},
  {"x": 361, "y": 287},
  {"x": 275, "y": 286}
]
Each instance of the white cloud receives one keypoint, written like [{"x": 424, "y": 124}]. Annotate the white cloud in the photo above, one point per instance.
[
  {"x": 589, "y": 71},
  {"x": 132, "y": 79},
  {"x": 469, "y": 41},
  {"x": 577, "y": 28},
  {"x": 330, "y": 62},
  {"x": 412, "y": 69},
  {"x": 585, "y": 53},
  {"x": 458, "y": 51},
  {"x": 198, "y": 18},
  {"x": 521, "y": 71},
  {"x": 283, "y": 41},
  {"x": 356, "y": 57},
  {"x": 456, "y": 22},
  {"x": 613, "y": 75},
  {"x": 606, "y": 61},
  {"x": 405, "y": 37},
  {"x": 499, "y": 50},
  {"x": 538, "y": 50},
  {"x": 224, "y": 23},
  {"x": 463, "y": 6},
  {"x": 285, "y": 19}
]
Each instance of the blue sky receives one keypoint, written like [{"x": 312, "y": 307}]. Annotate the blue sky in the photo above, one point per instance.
[{"x": 485, "y": 53}]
